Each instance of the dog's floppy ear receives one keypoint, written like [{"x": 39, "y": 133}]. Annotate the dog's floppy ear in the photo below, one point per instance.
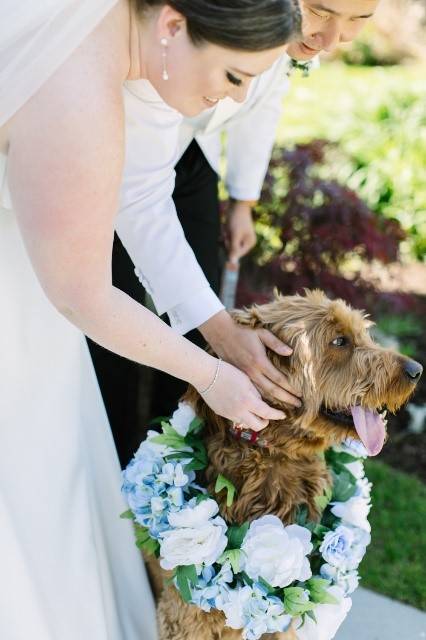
[{"x": 247, "y": 317}]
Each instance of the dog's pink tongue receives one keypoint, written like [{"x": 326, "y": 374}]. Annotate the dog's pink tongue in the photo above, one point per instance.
[{"x": 370, "y": 428}]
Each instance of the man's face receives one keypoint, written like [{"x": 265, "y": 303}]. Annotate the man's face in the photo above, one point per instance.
[{"x": 327, "y": 23}]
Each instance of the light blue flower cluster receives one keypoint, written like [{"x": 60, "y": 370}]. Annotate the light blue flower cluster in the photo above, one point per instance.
[
  {"x": 210, "y": 585},
  {"x": 251, "y": 609},
  {"x": 154, "y": 488}
]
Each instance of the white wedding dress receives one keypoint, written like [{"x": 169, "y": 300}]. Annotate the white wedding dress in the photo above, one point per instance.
[{"x": 69, "y": 568}]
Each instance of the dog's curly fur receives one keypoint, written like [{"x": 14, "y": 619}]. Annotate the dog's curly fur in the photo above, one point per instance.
[{"x": 288, "y": 473}]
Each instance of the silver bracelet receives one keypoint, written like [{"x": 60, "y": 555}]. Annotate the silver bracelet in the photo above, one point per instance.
[{"x": 213, "y": 382}]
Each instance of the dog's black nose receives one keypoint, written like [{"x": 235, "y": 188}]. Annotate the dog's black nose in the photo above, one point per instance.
[{"x": 413, "y": 370}]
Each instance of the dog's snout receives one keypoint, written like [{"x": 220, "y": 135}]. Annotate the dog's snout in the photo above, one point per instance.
[{"x": 413, "y": 370}]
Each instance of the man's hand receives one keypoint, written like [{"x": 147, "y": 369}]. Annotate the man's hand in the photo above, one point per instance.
[
  {"x": 241, "y": 235},
  {"x": 246, "y": 349}
]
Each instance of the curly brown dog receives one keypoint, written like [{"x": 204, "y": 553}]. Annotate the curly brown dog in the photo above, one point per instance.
[{"x": 345, "y": 380}]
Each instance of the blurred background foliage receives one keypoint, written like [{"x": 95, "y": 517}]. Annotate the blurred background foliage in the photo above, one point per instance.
[
  {"x": 377, "y": 117},
  {"x": 395, "y": 36}
]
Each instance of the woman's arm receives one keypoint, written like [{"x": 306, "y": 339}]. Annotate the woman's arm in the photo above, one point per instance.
[{"x": 65, "y": 165}]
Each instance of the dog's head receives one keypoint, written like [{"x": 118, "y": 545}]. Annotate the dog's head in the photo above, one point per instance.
[{"x": 346, "y": 380}]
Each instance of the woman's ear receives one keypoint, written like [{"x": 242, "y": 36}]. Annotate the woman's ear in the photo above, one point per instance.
[{"x": 170, "y": 23}]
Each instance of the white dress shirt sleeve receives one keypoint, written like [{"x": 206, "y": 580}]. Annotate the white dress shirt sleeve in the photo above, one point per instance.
[
  {"x": 147, "y": 223},
  {"x": 251, "y": 134}
]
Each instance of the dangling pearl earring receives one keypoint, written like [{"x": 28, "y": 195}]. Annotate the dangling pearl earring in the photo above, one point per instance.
[{"x": 164, "y": 44}]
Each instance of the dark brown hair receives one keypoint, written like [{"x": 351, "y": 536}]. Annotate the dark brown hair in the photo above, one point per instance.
[{"x": 248, "y": 25}]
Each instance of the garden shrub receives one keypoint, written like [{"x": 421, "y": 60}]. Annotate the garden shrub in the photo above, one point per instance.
[{"x": 316, "y": 232}]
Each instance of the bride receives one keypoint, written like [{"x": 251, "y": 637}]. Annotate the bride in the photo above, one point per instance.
[{"x": 69, "y": 566}]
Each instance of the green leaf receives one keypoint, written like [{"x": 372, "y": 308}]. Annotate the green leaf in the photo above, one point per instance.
[
  {"x": 145, "y": 542},
  {"x": 295, "y": 602},
  {"x": 224, "y": 483},
  {"x": 149, "y": 546},
  {"x": 168, "y": 430},
  {"x": 301, "y": 515},
  {"x": 236, "y": 535},
  {"x": 317, "y": 583},
  {"x": 196, "y": 425},
  {"x": 186, "y": 575},
  {"x": 200, "y": 451},
  {"x": 201, "y": 497},
  {"x": 246, "y": 578},
  {"x": 311, "y": 615},
  {"x": 194, "y": 465},
  {"x": 178, "y": 455},
  {"x": 317, "y": 588},
  {"x": 174, "y": 442},
  {"x": 344, "y": 486},
  {"x": 323, "y": 500},
  {"x": 339, "y": 457},
  {"x": 267, "y": 586},
  {"x": 234, "y": 557},
  {"x": 127, "y": 514}
]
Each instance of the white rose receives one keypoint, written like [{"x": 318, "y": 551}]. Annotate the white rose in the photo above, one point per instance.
[
  {"x": 276, "y": 553},
  {"x": 356, "y": 468},
  {"x": 363, "y": 489},
  {"x": 182, "y": 418},
  {"x": 337, "y": 547},
  {"x": 329, "y": 618},
  {"x": 190, "y": 545},
  {"x": 354, "y": 511},
  {"x": 194, "y": 515}
]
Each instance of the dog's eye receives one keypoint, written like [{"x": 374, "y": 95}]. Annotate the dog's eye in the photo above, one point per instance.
[{"x": 340, "y": 341}]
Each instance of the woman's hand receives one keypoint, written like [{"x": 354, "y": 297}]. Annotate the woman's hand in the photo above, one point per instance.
[
  {"x": 246, "y": 349},
  {"x": 233, "y": 396}
]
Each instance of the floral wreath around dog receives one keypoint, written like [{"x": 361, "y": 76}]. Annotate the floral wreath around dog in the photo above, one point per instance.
[{"x": 261, "y": 575}]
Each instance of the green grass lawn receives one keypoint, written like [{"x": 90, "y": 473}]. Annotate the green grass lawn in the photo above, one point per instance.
[{"x": 395, "y": 563}]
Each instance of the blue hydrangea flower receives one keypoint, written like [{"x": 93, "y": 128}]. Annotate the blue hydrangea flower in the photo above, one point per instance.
[
  {"x": 348, "y": 581},
  {"x": 209, "y": 586},
  {"x": 172, "y": 474},
  {"x": 154, "y": 488},
  {"x": 253, "y": 610}
]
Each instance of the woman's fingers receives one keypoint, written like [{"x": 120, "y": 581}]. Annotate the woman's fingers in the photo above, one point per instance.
[
  {"x": 259, "y": 415},
  {"x": 273, "y": 381},
  {"x": 263, "y": 410},
  {"x": 235, "y": 397},
  {"x": 272, "y": 342},
  {"x": 253, "y": 422},
  {"x": 272, "y": 390}
]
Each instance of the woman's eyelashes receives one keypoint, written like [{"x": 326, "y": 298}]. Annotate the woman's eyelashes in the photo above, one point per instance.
[{"x": 233, "y": 79}]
